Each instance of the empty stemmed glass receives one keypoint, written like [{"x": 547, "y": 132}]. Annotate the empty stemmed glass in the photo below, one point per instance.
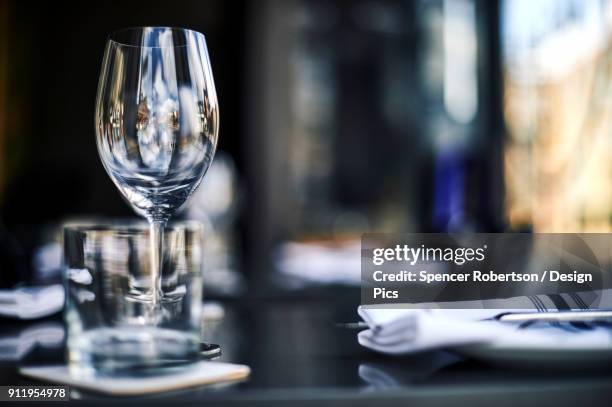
[{"x": 157, "y": 120}]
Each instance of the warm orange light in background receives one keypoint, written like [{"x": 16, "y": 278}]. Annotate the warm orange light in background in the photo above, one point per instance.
[{"x": 558, "y": 106}]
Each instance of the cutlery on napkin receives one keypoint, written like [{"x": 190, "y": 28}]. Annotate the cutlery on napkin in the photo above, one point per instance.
[{"x": 427, "y": 326}]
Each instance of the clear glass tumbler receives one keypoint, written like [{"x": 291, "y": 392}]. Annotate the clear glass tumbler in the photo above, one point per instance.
[{"x": 110, "y": 326}]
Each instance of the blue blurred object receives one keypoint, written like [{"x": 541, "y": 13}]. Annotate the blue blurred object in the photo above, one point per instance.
[{"x": 449, "y": 189}]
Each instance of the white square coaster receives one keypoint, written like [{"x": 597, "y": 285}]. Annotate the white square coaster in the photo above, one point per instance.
[{"x": 198, "y": 374}]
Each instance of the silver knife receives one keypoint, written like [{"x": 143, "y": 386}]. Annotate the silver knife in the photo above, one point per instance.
[{"x": 557, "y": 316}]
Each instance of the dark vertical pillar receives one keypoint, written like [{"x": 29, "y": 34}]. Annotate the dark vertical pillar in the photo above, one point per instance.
[{"x": 486, "y": 186}]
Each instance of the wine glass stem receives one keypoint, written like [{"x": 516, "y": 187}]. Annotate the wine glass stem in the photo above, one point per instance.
[{"x": 157, "y": 260}]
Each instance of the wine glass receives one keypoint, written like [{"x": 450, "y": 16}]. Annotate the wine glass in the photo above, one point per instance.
[{"x": 157, "y": 120}]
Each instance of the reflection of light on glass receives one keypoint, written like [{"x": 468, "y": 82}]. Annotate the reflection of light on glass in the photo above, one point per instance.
[
  {"x": 558, "y": 161},
  {"x": 460, "y": 87},
  {"x": 158, "y": 105}
]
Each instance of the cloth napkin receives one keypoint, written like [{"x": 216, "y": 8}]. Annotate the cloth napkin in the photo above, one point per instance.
[
  {"x": 17, "y": 343},
  {"x": 320, "y": 263},
  {"x": 31, "y": 302},
  {"x": 428, "y": 326}
]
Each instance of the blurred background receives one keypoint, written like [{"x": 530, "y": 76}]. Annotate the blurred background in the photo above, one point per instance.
[{"x": 337, "y": 118}]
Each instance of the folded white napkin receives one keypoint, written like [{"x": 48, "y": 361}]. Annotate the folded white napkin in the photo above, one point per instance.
[
  {"x": 320, "y": 262},
  {"x": 16, "y": 345},
  {"x": 420, "y": 327},
  {"x": 32, "y": 302}
]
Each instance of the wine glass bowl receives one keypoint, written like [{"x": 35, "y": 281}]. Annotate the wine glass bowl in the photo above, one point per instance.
[
  {"x": 157, "y": 121},
  {"x": 157, "y": 116}
]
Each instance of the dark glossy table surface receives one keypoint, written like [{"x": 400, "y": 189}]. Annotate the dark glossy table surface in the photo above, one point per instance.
[{"x": 299, "y": 355}]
